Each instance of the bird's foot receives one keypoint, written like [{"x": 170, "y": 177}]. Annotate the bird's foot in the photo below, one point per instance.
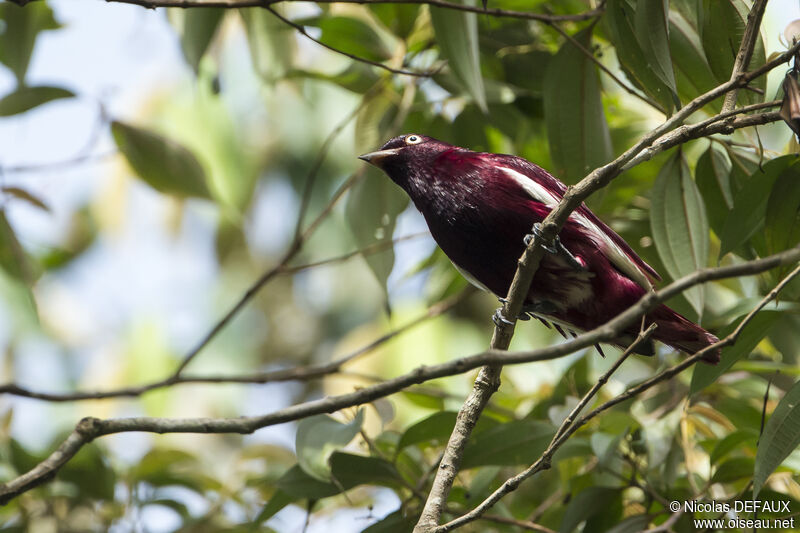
[
  {"x": 499, "y": 320},
  {"x": 556, "y": 248}
]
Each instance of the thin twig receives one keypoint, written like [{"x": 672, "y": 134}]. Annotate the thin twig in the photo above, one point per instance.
[
  {"x": 300, "y": 29},
  {"x": 89, "y": 429},
  {"x": 301, "y": 373},
  {"x": 492, "y": 12},
  {"x": 746, "y": 48}
]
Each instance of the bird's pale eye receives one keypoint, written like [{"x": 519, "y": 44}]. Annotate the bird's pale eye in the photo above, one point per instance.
[{"x": 413, "y": 139}]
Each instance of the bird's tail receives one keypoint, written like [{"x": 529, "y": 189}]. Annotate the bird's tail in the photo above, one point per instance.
[{"x": 683, "y": 334}]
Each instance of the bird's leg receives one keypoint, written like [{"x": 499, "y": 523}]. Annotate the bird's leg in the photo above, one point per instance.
[
  {"x": 542, "y": 307},
  {"x": 556, "y": 248},
  {"x": 499, "y": 319}
]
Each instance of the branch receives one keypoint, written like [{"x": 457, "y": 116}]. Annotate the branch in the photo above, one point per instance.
[
  {"x": 568, "y": 428},
  {"x": 302, "y": 373},
  {"x": 746, "y": 47},
  {"x": 236, "y": 4},
  {"x": 488, "y": 380},
  {"x": 300, "y": 29},
  {"x": 89, "y": 429}
]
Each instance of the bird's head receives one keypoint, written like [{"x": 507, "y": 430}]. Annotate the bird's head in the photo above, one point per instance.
[{"x": 407, "y": 157}]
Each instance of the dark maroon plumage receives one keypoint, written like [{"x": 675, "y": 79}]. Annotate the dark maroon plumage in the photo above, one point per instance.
[{"x": 480, "y": 206}]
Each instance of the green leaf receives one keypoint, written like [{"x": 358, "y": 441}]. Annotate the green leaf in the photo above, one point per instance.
[
  {"x": 396, "y": 522},
  {"x": 350, "y": 470},
  {"x": 750, "y": 203},
  {"x": 318, "y": 437},
  {"x": 160, "y": 162},
  {"x": 196, "y": 28},
  {"x": 436, "y": 427},
  {"x": 693, "y": 74},
  {"x": 357, "y": 77},
  {"x": 297, "y": 484},
  {"x": 733, "y": 470},
  {"x": 713, "y": 178},
  {"x": 751, "y": 335},
  {"x": 621, "y": 20},
  {"x": 780, "y": 438},
  {"x": 278, "y": 501},
  {"x": 782, "y": 221},
  {"x": 732, "y": 441},
  {"x": 591, "y": 502},
  {"x": 13, "y": 258},
  {"x": 271, "y": 43},
  {"x": 650, "y": 23},
  {"x": 22, "y": 26},
  {"x": 90, "y": 472},
  {"x": 513, "y": 443},
  {"x": 350, "y": 35},
  {"x": 576, "y": 125},
  {"x": 723, "y": 26},
  {"x": 398, "y": 18},
  {"x": 457, "y": 37},
  {"x": 372, "y": 208},
  {"x": 25, "y": 98},
  {"x": 679, "y": 224}
]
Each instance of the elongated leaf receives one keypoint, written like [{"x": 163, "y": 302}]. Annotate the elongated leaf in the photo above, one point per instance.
[
  {"x": 621, "y": 18},
  {"x": 318, "y": 437},
  {"x": 162, "y": 163},
  {"x": 372, "y": 208},
  {"x": 693, "y": 75},
  {"x": 679, "y": 224},
  {"x": 750, "y": 203},
  {"x": 780, "y": 438},
  {"x": 22, "y": 26},
  {"x": 396, "y": 522},
  {"x": 650, "y": 23},
  {"x": 733, "y": 469},
  {"x": 723, "y": 26},
  {"x": 782, "y": 221},
  {"x": 26, "y": 98},
  {"x": 576, "y": 124},
  {"x": 196, "y": 28},
  {"x": 351, "y": 470},
  {"x": 350, "y": 35},
  {"x": 713, "y": 176},
  {"x": 517, "y": 442},
  {"x": 436, "y": 427},
  {"x": 457, "y": 37},
  {"x": 297, "y": 484},
  {"x": 13, "y": 259},
  {"x": 751, "y": 335},
  {"x": 271, "y": 43},
  {"x": 732, "y": 441},
  {"x": 591, "y": 502}
]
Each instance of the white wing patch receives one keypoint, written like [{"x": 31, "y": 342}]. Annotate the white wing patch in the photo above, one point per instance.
[{"x": 614, "y": 253}]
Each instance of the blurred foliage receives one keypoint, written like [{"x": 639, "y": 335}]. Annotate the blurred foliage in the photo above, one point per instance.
[{"x": 209, "y": 149}]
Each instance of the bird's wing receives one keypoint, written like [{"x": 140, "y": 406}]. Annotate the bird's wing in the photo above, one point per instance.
[{"x": 545, "y": 188}]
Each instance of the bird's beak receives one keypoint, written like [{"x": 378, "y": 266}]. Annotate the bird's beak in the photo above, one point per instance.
[{"x": 375, "y": 158}]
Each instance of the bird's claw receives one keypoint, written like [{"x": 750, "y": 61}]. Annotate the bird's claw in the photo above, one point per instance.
[
  {"x": 556, "y": 248},
  {"x": 499, "y": 320}
]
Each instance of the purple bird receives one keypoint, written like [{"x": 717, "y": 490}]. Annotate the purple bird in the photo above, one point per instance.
[{"x": 481, "y": 208}]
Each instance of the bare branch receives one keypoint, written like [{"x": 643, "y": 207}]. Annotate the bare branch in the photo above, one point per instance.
[
  {"x": 746, "y": 47},
  {"x": 543, "y": 463},
  {"x": 90, "y": 428},
  {"x": 302, "y": 373},
  {"x": 235, "y": 4}
]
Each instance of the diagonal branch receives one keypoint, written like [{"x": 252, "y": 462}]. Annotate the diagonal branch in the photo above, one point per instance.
[
  {"x": 746, "y": 47},
  {"x": 488, "y": 379},
  {"x": 89, "y": 429}
]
